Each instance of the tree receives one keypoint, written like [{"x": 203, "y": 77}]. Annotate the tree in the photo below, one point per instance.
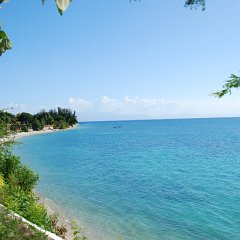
[
  {"x": 37, "y": 125},
  {"x": 24, "y": 118},
  {"x": 6, "y": 118}
]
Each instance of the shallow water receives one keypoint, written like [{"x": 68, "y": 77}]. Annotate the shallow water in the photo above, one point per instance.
[{"x": 165, "y": 179}]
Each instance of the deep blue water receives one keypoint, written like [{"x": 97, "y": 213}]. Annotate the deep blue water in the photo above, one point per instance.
[{"x": 144, "y": 180}]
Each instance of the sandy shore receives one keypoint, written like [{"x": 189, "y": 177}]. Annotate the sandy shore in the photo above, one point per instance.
[
  {"x": 50, "y": 206},
  {"x": 64, "y": 219},
  {"x": 19, "y": 135}
]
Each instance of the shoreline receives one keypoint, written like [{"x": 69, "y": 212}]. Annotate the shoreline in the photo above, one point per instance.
[
  {"x": 65, "y": 219},
  {"x": 50, "y": 206},
  {"x": 20, "y": 135}
]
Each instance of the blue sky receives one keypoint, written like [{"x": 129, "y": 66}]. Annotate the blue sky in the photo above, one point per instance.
[{"x": 121, "y": 60}]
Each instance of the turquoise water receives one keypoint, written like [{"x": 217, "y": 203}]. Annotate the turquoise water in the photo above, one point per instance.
[{"x": 166, "y": 179}]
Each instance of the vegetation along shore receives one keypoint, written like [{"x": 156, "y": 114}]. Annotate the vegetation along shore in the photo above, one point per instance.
[{"x": 17, "y": 180}]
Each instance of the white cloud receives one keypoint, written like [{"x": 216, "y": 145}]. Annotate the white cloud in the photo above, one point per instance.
[
  {"x": 17, "y": 107},
  {"x": 139, "y": 108},
  {"x": 79, "y": 104}
]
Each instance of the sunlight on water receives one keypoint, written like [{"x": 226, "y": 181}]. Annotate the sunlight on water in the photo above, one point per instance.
[{"x": 168, "y": 179}]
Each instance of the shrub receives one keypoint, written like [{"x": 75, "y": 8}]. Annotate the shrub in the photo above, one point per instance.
[
  {"x": 24, "y": 177},
  {"x": 16, "y": 184},
  {"x": 37, "y": 125},
  {"x": 60, "y": 125},
  {"x": 77, "y": 231},
  {"x": 8, "y": 163},
  {"x": 12, "y": 228},
  {"x": 26, "y": 204},
  {"x": 2, "y": 183},
  {"x": 63, "y": 125},
  {"x": 16, "y": 173},
  {"x": 24, "y": 128}
]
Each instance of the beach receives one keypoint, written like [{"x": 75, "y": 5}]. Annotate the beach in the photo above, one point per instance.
[
  {"x": 19, "y": 135},
  {"x": 50, "y": 206}
]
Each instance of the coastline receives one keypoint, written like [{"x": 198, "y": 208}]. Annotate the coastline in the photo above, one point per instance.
[
  {"x": 19, "y": 135},
  {"x": 64, "y": 219},
  {"x": 50, "y": 206},
  {"x": 53, "y": 208}
]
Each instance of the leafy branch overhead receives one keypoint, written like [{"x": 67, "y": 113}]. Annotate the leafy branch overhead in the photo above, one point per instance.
[
  {"x": 62, "y": 5},
  {"x": 232, "y": 82},
  {"x": 5, "y": 43},
  {"x": 195, "y": 3}
]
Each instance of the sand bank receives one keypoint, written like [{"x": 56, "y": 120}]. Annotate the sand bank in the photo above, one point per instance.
[{"x": 19, "y": 135}]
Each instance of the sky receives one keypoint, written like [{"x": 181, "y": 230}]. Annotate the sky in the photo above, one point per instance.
[{"x": 115, "y": 60}]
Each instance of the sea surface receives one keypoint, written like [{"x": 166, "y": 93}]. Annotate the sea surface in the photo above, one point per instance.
[{"x": 143, "y": 180}]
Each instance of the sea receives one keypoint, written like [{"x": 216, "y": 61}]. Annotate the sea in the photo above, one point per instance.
[{"x": 143, "y": 180}]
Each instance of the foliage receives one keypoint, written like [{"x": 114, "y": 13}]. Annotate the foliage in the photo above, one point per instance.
[
  {"x": 12, "y": 228},
  {"x": 8, "y": 163},
  {"x": 24, "y": 128},
  {"x": 24, "y": 177},
  {"x": 65, "y": 115},
  {"x": 77, "y": 231},
  {"x": 2, "y": 183},
  {"x": 45, "y": 117},
  {"x": 6, "y": 118},
  {"x": 37, "y": 125},
  {"x": 195, "y": 3},
  {"x": 232, "y": 82},
  {"x": 17, "y": 193},
  {"x": 26, "y": 205},
  {"x": 16, "y": 184},
  {"x": 62, "y": 5},
  {"x": 61, "y": 118},
  {"x": 5, "y": 43},
  {"x": 3, "y": 130},
  {"x": 60, "y": 125},
  {"x": 16, "y": 173},
  {"x": 24, "y": 117}
]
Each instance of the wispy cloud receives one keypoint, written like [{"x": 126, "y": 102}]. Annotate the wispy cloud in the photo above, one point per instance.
[
  {"x": 80, "y": 104},
  {"x": 138, "y": 107},
  {"x": 17, "y": 107}
]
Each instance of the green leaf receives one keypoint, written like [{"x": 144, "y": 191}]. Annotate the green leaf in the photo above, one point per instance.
[
  {"x": 3, "y": 35},
  {"x": 8, "y": 44},
  {"x": 63, "y": 4},
  {"x": 232, "y": 82},
  {"x": 60, "y": 11}
]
